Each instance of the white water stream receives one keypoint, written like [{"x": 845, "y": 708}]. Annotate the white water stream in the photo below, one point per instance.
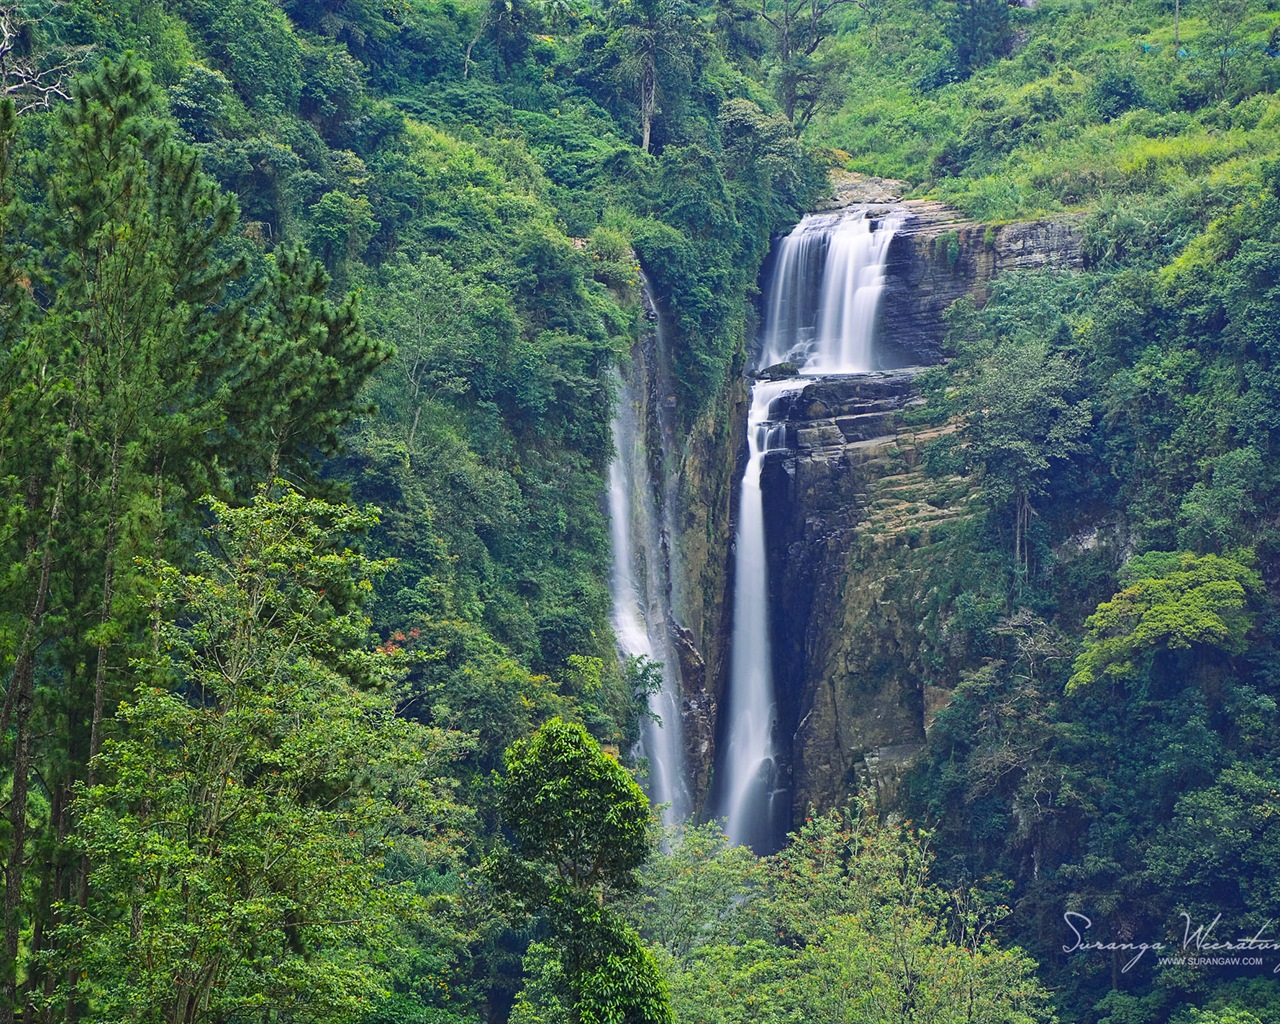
[
  {"x": 826, "y": 286},
  {"x": 642, "y": 587},
  {"x": 750, "y": 764},
  {"x": 827, "y": 281}
]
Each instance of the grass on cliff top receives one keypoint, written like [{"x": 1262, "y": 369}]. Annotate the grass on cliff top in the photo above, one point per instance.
[{"x": 1094, "y": 106}]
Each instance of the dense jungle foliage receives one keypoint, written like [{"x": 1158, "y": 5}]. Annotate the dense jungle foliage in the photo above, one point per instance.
[
  {"x": 309, "y": 316},
  {"x": 264, "y": 650},
  {"x": 1108, "y": 608},
  {"x": 250, "y": 768}
]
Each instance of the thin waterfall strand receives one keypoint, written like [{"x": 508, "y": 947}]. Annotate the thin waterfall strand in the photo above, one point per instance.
[
  {"x": 751, "y": 759},
  {"x": 639, "y": 582}
]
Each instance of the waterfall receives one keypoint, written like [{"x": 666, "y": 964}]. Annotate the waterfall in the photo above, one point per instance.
[
  {"x": 827, "y": 280},
  {"x": 641, "y": 586},
  {"x": 750, "y": 762}
]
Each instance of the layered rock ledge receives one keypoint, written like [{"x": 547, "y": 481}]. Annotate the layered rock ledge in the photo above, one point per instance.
[
  {"x": 849, "y": 513},
  {"x": 938, "y": 256}
]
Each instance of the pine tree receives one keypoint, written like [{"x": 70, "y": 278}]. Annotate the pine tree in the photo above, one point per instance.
[
  {"x": 125, "y": 371},
  {"x": 306, "y": 359}
]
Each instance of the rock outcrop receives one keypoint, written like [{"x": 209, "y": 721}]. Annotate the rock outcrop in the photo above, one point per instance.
[
  {"x": 938, "y": 256},
  {"x": 848, "y": 188},
  {"x": 849, "y": 517},
  {"x": 853, "y": 524}
]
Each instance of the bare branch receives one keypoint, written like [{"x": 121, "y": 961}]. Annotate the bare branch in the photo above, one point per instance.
[{"x": 35, "y": 78}]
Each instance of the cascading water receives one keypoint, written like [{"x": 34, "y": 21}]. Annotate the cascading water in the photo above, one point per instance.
[
  {"x": 750, "y": 763},
  {"x": 827, "y": 281},
  {"x": 641, "y": 587}
]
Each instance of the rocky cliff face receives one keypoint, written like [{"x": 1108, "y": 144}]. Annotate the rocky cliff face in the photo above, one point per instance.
[
  {"x": 706, "y": 483},
  {"x": 852, "y": 522},
  {"x": 856, "y": 529},
  {"x": 937, "y": 257}
]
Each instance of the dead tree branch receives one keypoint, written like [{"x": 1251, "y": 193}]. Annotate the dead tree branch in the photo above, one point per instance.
[{"x": 34, "y": 75}]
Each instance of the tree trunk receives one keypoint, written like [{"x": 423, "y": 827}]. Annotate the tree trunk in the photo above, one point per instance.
[
  {"x": 1017, "y": 535},
  {"x": 785, "y": 50},
  {"x": 23, "y": 682},
  {"x": 480, "y": 29},
  {"x": 648, "y": 100},
  {"x": 42, "y": 916},
  {"x": 108, "y": 595},
  {"x": 22, "y": 694}
]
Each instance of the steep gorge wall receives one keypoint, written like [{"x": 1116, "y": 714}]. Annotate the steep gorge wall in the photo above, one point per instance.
[
  {"x": 696, "y": 468},
  {"x": 706, "y": 485},
  {"x": 858, "y": 535},
  {"x": 857, "y": 529}
]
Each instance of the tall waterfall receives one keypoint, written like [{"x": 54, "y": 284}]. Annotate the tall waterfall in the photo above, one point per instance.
[
  {"x": 752, "y": 785},
  {"x": 641, "y": 585},
  {"x": 827, "y": 281}
]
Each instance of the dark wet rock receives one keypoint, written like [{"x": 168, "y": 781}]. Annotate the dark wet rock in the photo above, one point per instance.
[
  {"x": 778, "y": 371},
  {"x": 851, "y": 519},
  {"x": 938, "y": 256}
]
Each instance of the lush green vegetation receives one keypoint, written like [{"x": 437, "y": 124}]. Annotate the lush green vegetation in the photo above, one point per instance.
[
  {"x": 1013, "y": 110},
  {"x": 263, "y": 650},
  {"x": 1112, "y": 736},
  {"x": 1107, "y": 615},
  {"x": 844, "y": 924},
  {"x": 307, "y": 319}
]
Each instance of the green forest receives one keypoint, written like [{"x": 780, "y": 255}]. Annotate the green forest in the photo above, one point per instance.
[{"x": 311, "y": 313}]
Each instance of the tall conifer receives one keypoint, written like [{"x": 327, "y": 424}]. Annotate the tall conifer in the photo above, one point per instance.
[{"x": 126, "y": 370}]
